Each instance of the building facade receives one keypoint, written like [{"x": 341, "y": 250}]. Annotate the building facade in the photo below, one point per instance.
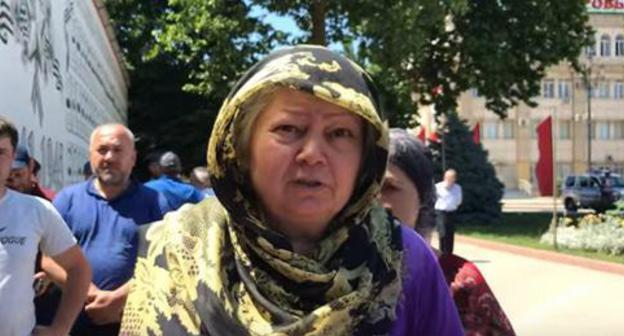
[{"x": 583, "y": 115}]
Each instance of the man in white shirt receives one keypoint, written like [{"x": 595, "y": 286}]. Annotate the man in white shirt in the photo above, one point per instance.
[
  {"x": 448, "y": 199},
  {"x": 26, "y": 224}
]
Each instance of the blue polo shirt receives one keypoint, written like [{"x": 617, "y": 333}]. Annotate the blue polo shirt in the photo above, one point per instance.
[
  {"x": 175, "y": 191},
  {"x": 107, "y": 230}
]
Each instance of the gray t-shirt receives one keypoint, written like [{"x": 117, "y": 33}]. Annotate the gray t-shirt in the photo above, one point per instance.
[{"x": 26, "y": 223}]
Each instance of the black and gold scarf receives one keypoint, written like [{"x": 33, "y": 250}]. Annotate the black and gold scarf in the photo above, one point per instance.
[{"x": 218, "y": 269}]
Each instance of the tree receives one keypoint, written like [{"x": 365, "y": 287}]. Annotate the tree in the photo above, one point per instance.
[
  {"x": 501, "y": 48},
  {"x": 183, "y": 56},
  {"x": 482, "y": 191},
  {"x": 413, "y": 48}
]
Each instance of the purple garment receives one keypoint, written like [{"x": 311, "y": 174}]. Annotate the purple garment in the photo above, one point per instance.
[{"x": 426, "y": 307}]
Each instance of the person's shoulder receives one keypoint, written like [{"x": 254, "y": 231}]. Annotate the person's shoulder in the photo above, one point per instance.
[
  {"x": 413, "y": 242},
  {"x": 17, "y": 198},
  {"x": 456, "y": 268},
  {"x": 76, "y": 188},
  {"x": 197, "y": 220},
  {"x": 30, "y": 202},
  {"x": 152, "y": 183},
  {"x": 418, "y": 257},
  {"x": 147, "y": 192}
]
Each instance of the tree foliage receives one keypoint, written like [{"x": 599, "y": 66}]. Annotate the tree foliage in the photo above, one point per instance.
[
  {"x": 500, "y": 48},
  {"x": 183, "y": 56},
  {"x": 412, "y": 48},
  {"x": 482, "y": 191}
]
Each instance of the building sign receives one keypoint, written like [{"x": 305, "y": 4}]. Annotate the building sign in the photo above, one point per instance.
[
  {"x": 605, "y": 6},
  {"x": 59, "y": 78}
]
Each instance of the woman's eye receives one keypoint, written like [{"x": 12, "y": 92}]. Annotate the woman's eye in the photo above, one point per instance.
[
  {"x": 288, "y": 132},
  {"x": 286, "y": 129},
  {"x": 342, "y": 133}
]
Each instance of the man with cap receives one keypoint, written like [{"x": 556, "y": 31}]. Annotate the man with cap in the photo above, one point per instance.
[
  {"x": 27, "y": 224},
  {"x": 170, "y": 185},
  {"x": 23, "y": 178},
  {"x": 105, "y": 214}
]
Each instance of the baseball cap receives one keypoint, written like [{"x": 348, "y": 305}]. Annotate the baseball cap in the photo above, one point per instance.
[
  {"x": 170, "y": 160},
  {"x": 22, "y": 158}
]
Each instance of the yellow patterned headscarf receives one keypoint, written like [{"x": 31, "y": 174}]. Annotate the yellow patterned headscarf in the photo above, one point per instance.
[{"x": 217, "y": 268}]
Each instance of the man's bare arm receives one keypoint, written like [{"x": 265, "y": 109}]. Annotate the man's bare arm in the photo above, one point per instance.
[{"x": 77, "y": 277}]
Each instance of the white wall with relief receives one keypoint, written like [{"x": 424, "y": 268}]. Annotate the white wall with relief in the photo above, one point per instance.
[{"x": 59, "y": 78}]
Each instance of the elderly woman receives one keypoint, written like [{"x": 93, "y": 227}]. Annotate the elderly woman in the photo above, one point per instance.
[
  {"x": 408, "y": 191},
  {"x": 295, "y": 243}
]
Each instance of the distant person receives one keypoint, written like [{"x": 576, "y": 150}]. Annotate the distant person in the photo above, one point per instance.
[
  {"x": 27, "y": 224},
  {"x": 49, "y": 193},
  {"x": 23, "y": 178},
  {"x": 408, "y": 192},
  {"x": 448, "y": 199},
  {"x": 105, "y": 214},
  {"x": 169, "y": 184},
  {"x": 200, "y": 179},
  {"x": 87, "y": 172},
  {"x": 152, "y": 162}
]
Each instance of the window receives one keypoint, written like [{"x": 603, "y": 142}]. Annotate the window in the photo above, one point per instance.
[
  {"x": 592, "y": 90},
  {"x": 508, "y": 129},
  {"x": 475, "y": 93},
  {"x": 618, "y": 90},
  {"x": 603, "y": 89},
  {"x": 569, "y": 182},
  {"x": 564, "y": 129},
  {"x": 564, "y": 89},
  {"x": 617, "y": 130},
  {"x": 491, "y": 130},
  {"x": 583, "y": 181},
  {"x": 605, "y": 46},
  {"x": 619, "y": 45},
  {"x": 548, "y": 88},
  {"x": 591, "y": 48},
  {"x": 602, "y": 128}
]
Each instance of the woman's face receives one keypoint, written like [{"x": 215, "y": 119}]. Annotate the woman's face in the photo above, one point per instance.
[
  {"x": 400, "y": 195},
  {"x": 305, "y": 154}
]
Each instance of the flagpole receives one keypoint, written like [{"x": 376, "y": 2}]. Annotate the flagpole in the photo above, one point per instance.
[{"x": 554, "y": 173}]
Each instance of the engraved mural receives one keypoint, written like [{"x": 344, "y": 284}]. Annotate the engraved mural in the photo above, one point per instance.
[{"x": 63, "y": 81}]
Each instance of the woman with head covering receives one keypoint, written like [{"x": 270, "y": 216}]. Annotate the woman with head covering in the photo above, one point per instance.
[
  {"x": 408, "y": 192},
  {"x": 295, "y": 243}
]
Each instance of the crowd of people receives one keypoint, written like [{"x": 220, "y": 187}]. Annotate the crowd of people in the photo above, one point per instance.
[{"x": 311, "y": 218}]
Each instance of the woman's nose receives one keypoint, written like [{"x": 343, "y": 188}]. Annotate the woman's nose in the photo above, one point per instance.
[{"x": 312, "y": 151}]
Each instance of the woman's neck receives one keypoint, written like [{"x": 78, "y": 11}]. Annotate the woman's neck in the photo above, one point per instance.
[{"x": 303, "y": 246}]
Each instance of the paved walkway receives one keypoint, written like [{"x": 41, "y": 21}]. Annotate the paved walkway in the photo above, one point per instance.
[{"x": 546, "y": 297}]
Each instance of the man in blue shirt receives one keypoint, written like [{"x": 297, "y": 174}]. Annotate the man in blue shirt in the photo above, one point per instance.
[
  {"x": 200, "y": 178},
  {"x": 104, "y": 213},
  {"x": 170, "y": 185}
]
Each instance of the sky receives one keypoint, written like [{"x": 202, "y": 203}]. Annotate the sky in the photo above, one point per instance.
[{"x": 284, "y": 23}]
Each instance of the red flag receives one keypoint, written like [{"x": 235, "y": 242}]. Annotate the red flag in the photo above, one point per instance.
[
  {"x": 421, "y": 134},
  {"x": 476, "y": 134},
  {"x": 544, "y": 167},
  {"x": 434, "y": 137}
]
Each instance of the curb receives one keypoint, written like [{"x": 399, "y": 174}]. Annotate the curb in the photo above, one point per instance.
[{"x": 596, "y": 265}]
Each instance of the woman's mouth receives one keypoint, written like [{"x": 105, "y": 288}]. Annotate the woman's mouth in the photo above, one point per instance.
[{"x": 308, "y": 183}]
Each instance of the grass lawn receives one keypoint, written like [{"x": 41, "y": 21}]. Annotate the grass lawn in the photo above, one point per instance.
[{"x": 525, "y": 229}]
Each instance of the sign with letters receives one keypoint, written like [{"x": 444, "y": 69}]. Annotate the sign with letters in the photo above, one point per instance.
[
  {"x": 605, "y": 6},
  {"x": 59, "y": 79}
]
